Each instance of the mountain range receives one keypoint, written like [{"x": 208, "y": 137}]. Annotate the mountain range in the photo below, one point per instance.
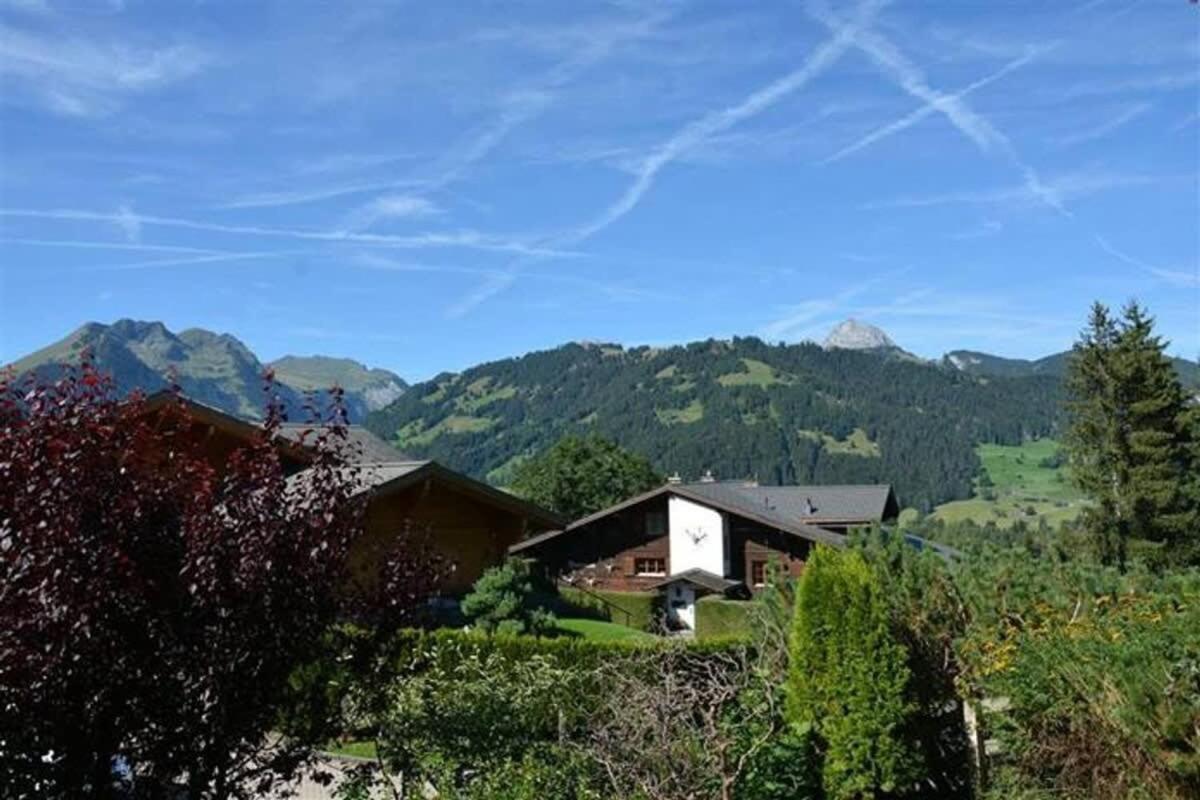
[
  {"x": 216, "y": 369},
  {"x": 857, "y": 409}
]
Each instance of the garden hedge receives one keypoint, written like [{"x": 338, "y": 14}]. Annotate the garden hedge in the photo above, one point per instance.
[{"x": 719, "y": 618}]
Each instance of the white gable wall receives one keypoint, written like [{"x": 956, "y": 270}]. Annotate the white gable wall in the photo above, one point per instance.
[{"x": 697, "y": 537}]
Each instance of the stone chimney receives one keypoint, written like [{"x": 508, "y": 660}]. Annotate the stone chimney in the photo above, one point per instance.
[
  {"x": 674, "y": 477},
  {"x": 707, "y": 477}
]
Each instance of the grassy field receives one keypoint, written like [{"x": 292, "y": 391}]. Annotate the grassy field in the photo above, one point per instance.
[
  {"x": 601, "y": 631},
  {"x": 856, "y": 444},
  {"x": 1022, "y": 488},
  {"x": 692, "y": 412},
  {"x": 757, "y": 374}
]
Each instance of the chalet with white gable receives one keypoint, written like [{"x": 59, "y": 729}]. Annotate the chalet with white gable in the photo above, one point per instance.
[{"x": 688, "y": 540}]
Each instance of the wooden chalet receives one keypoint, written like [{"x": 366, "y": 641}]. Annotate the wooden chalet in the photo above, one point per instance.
[
  {"x": 470, "y": 525},
  {"x": 688, "y": 540}
]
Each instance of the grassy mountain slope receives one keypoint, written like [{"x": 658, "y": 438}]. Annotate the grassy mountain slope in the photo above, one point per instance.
[
  {"x": 1025, "y": 482},
  {"x": 781, "y": 413},
  {"x": 366, "y": 389},
  {"x": 213, "y": 368}
]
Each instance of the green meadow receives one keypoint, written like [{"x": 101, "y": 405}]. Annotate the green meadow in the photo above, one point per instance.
[{"x": 1018, "y": 483}]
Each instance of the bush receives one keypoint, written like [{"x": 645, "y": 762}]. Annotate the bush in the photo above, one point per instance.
[
  {"x": 717, "y": 618},
  {"x": 459, "y": 708},
  {"x": 154, "y": 600},
  {"x": 503, "y": 600},
  {"x": 1100, "y": 673},
  {"x": 849, "y": 680}
]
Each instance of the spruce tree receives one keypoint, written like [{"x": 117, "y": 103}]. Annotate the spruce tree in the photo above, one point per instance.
[{"x": 1131, "y": 443}]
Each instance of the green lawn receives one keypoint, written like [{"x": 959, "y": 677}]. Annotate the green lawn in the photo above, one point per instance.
[
  {"x": 601, "y": 631},
  {"x": 1022, "y": 489},
  {"x": 352, "y": 749}
]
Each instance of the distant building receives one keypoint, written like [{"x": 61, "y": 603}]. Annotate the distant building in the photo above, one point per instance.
[{"x": 687, "y": 540}]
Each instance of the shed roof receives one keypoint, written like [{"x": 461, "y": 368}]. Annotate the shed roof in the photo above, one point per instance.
[{"x": 700, "y": 578}]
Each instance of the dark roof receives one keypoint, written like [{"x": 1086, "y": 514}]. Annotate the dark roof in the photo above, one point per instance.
[
  {"x": 815, "y": 505},
  {"x": 166, "y": 399},
  {"x": 366, "y": 447},
  {"x": 381, "y": 478},
  {"x": 701, "y": 578},
  {"x": 382, "y": 467},
  {"x": 799, "y": 510}
]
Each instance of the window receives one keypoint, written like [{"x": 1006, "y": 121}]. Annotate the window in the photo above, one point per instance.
[
  {"x": 758, "y": 572},
  {"x": 656, "y": 523},
  {"x": 650, "y": 566}
]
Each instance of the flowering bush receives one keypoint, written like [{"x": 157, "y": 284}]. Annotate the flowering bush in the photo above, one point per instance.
[{"x": 1095, "y": 675}]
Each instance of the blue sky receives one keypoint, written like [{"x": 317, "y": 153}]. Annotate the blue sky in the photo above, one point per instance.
[{"x": 423, "y": 186}]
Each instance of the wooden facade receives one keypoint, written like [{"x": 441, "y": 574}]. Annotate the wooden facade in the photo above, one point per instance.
[
  {"x": 466, "y": 525},
  {"x": 464, "y": 532},
  {"x": 624, "y": 551}
]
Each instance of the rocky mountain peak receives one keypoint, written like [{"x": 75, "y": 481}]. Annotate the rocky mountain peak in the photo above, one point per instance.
[{"x": 854, "y": 335}]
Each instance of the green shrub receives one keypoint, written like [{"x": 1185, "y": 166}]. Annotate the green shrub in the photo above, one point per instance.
[
  {"x": 927, "y": 618},
  {"x": 848, "y": 678},
  {"x": 503, "y": 600},
  {"x": 460, "y": 708},
  {"x": 635, "y": 609},
  {"x": 786, "y": 769},
  {"x": 1099, "y": 671},
  {"x": 718, "y": 618}
]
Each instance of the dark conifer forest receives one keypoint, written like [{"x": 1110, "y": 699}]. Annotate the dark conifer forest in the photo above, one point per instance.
[{"x": 742, "y": 408}]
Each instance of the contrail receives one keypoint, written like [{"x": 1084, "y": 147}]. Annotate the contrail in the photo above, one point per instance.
[
  {"x": 924, "y": 111},
  {"x": 688, "y": 137}
]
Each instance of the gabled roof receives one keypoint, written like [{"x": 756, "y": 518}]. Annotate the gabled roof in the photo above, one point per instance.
[
  {"x": 700, "y": 578},
  {"x": 366, "y": 447},
  {"x": 382, "y": 478},
  {"x": 295, "y": 437},
  {"x": 798, "y": 510},
  {"x": 245, "y": 430},
  {"x": 381, "y": 467}
]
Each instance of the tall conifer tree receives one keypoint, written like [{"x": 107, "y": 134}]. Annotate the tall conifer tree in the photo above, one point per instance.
[{"x": 1131, "y": 438}]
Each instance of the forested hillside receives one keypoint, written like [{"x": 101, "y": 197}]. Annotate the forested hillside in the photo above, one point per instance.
[{"x": 781, "y": 413}]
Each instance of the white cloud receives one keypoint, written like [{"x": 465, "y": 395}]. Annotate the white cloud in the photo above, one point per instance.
[
  {"x": 129, "y": 223},
  {"x": 515, "y": 108},
  {"x": 797, "y": 320},
  {"x": 79, "y": 77},
  {"x": 209, "y": 259},
  {"x": 291, "y": 197},
  {"x": 472, "y": 240},
  {"x": 1064, "y": 187},
  {"x": 989, "y": 227},
  {"x": 387, "y": 207},
  {"x": 1108, "y": 126},
  {"x": 1174, "y": 277},
  {"x": 98, "y": 245}
]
